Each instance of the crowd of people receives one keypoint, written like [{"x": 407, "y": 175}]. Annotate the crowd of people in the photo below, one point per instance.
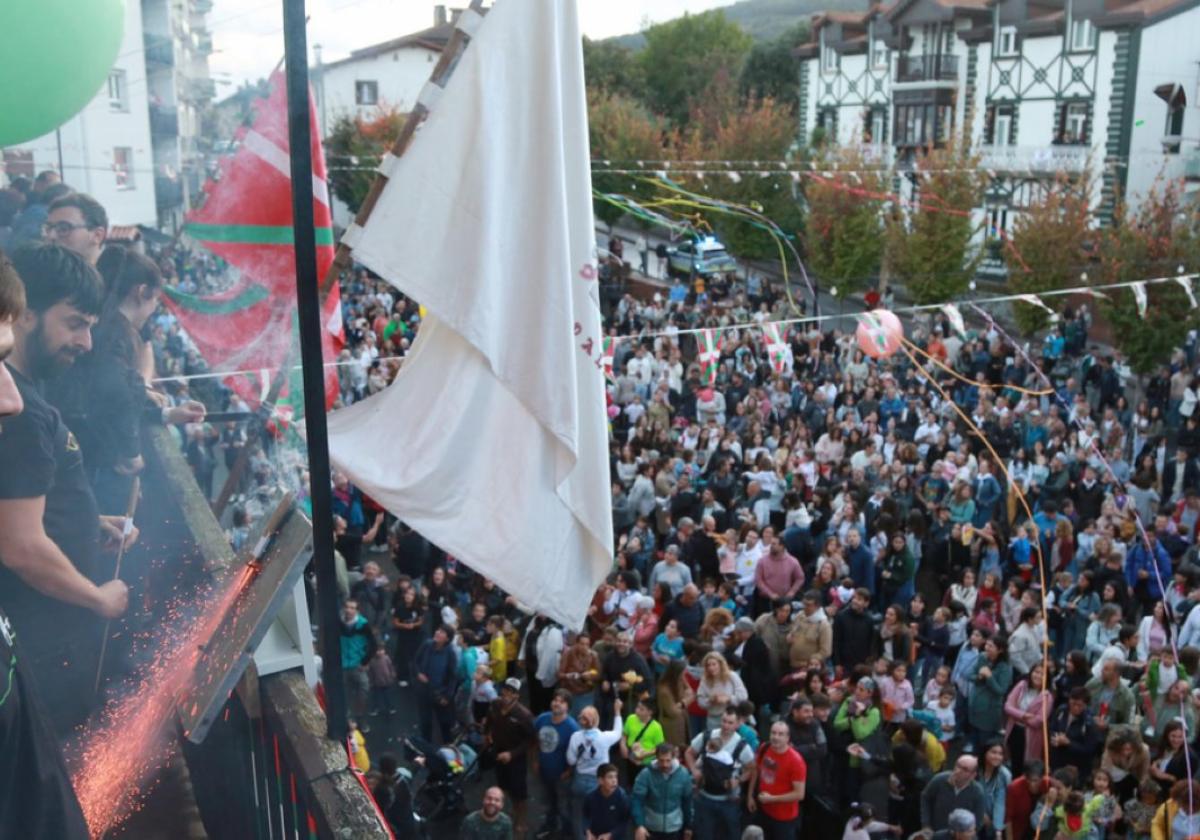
[{"x": 828, "y": 599}]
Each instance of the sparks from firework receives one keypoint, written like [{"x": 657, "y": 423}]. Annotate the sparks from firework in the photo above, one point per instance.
[{"x": 118, "y": 756}]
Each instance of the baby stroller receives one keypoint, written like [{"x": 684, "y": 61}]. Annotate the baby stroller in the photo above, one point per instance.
[{"x": 447, "y": 770}]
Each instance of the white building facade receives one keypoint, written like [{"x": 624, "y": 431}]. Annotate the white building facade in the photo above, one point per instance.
[
  {"x": 124, "y": 147},
  {"x": 384, "y": 76},
  {"x": 1039, "y": 88}
]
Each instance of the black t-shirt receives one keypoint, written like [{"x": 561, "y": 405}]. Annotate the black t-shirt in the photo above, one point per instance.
[
  {"x": 36, "y": 797},
  {"x": 41, "y": 457}
]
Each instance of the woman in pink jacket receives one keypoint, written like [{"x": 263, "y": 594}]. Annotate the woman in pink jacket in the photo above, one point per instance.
[{"x": 1025, "y": 710}]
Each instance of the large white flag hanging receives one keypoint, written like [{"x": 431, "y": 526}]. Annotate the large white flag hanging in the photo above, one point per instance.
[{"x": 492, "y": 440}]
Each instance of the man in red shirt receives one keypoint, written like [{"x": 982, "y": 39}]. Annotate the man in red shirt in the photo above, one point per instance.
[
  {"x": 780, "y": 786},
  {"x": 1023, "y": 793}
]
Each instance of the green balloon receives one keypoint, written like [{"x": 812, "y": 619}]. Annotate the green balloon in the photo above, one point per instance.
[{"x": 54, "y": 56}]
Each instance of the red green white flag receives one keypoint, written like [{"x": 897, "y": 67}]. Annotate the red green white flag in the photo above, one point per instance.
[
  {"x": 777, "y": 348},
  {"x": 709, "y": 355},
  {"x": 607, "y": 345},
  {"x": 246, "y": 220}
]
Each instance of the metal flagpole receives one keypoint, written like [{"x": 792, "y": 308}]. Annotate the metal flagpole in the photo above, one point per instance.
[{"x": 309, "y": 310}]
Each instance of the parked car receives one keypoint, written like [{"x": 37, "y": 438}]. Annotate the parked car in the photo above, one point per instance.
[{"x": 704, "y": 257}]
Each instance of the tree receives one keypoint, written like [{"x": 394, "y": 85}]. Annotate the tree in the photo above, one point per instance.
[
  {"x": 621, "y": 130},
  {"x": 683, "y": 56},
  {"x": 610, "y": 67},
  {"x": 844, "y": 226},
  {"x": 354, "y": 148},
  {"x": 772, "y": 72},
  {"x": 929, "y": 241},
  {"x": 1050, "y": 243},
  {"x": 1153, "y": 241},
  {"x": 755, "y": 131}
]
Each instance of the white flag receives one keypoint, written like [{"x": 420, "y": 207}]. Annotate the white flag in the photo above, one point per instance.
[
  {"x": 1139, "y": 295},
  {"x": 1034, "y": 300},
  {"x": 492, "y": 442},
  {"x": 1186, "y": 283},
  {"x": 954, "y": 316}
]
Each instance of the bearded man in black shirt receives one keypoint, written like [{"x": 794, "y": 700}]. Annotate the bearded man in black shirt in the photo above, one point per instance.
[
  {"x": 51, "y": 534},
  {"x": 36, "y": 797}
]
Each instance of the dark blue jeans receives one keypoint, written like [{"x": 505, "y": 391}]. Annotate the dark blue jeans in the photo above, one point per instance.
[{"x": 717, "y": 819}]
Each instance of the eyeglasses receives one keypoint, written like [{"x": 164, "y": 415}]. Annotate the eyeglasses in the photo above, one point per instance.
[{"x": 61, "y": 228}]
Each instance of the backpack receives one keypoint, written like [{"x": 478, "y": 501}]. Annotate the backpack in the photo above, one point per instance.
[{"x": 717, "y": 774}]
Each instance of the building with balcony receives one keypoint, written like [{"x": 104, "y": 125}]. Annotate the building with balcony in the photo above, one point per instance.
[
  {"x": 181, "y": 92},
  {"x": 134, "y": 146},
  {"x": 1038, "y": 88}
]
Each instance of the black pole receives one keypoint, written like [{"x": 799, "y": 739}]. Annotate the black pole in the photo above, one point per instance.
[{"x": 309, "y": 307}]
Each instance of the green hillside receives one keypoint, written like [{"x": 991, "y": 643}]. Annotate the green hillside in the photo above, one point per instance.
[{"x": 765, "y": 19}]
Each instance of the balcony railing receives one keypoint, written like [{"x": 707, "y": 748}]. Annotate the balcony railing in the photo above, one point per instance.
[
  {"x": 1191, "y": 166},
  {"x": 927, "y": 68},
  {"x": 1048, "y": 159},
  {"x": 164, "y": 121},
  {"x": 159, "y": 50},
  {"x": 204, "y": 43},
  {"x": 199, "y": 89}
]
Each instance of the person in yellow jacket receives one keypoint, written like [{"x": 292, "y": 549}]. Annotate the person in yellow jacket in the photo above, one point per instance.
[
  {"x": 922, "y": 740},
  {"x": 358, "y": 748},
  {"x": 1179, "y": 817}
]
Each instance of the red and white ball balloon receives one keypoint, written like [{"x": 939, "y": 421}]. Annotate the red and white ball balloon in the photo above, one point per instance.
[{"x": 879, "y": 333}]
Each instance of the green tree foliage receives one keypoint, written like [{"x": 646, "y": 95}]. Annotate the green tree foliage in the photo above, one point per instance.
[
  {"x": 1162, "y": 235},
  {"x": 623, "y": 131},
  {"x": 354, "y": 148},
  {"x": 610, "y": 67},
  {"x": 755, "y": 131},
  {"x": 682, "y": 57},
  {"x": 929, "y": 246},
  {"x": 1050, "y": 243},
  {"x": 844, "y": 238},
  {"x": 772, "y": 72}
]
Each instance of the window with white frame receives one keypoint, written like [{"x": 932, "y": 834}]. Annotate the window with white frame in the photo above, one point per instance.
[
  {"x": 366, "y": 93},
  {"x": 117, "y": 93},
  {"x": 1002, "y": 125},
  {"x": 1083, "y": 36},
  {"x": 878, "y": 127},
  {"x": 123, "y": 167},
  {"x": 829, "y": 59},
  {"x": 879, "y": 55},
  {"x": 1075, "y": 123},
  {"x": 1006, "y": 41}
]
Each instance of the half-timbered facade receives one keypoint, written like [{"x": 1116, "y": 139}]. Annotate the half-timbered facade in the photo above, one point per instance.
[{"x": 1102, "y": 88}]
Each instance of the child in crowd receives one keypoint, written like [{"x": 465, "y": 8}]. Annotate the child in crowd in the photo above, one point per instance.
[
  {"x": 897, "y": 693},
  {"x": 933, "y": 688},
  {"x": 1109, "y": 810},
  {"x": 944, "y": 711},
  {"x": 709, "y": 597},
  {"x": 382, "y": 674},
  {"x": 483, "y": 692},
  {"x": 497, "y": 648},
  {"x": 1139, "y": 812}
]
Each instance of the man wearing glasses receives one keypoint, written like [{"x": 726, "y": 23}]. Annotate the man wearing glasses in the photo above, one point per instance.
[
  {"x": 78, "y": 222},
  {"x": 949, "y": 791}
]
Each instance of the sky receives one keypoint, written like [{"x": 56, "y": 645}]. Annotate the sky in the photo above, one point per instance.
[{"x": 248, "y": 34}]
